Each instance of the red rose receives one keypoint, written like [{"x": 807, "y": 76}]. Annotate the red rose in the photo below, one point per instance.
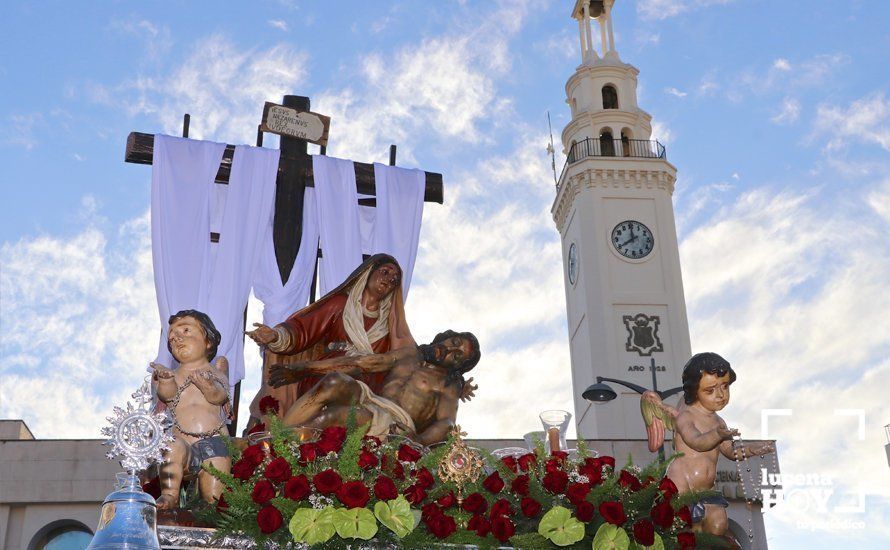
[
  {"x": 644, "y": 532},
  {"x": 607, "y": 461},
  {"x": 332, "y": 439},
  {"x": 577, "y": 492},
  {"x": 367, "y": 460},
  {"x": 685, "y": 514},
  {"x": 627, "y": 479},
  {"x": 308, "y": 453},
  {"x": 479, "y": 524},
  {"x": 668, "y": 488},
  {"x": 447, "y": 501},
  {"x": 408, "y": 454},
  {"x": 510, "y": 462},
  {"x": 424, "y": 479},
  {"x": 555, "y": 482},
  {"x": 662, "y": 514},
  {"x": 253, "y": 455},
  {"x": 353, "y": 494},
  {"x": 493, "y": 483},
  {"x": 243, "y": 470},
  {"x": 297, "y": 488},
  {"x": 374, "y": 441},
  {"x": 221, "y": 504},
  {"x": 585, "y": 511},
  {"x": 530, "y": 507},
  {"x": 559, "y": 455},
  {"x": 385, "y": 488},
  {"x": 278, "y": 470},
  {"x": 269, "y": 405},
  {"x": 153, "y": 487},
  {"x": 552, "y": 465},
  {"x": 475, "y": 504},
  {"x": 442, "y": 525},
  {"x": 429, "y": 511},
  {"x": 257, "y": 428},
  {"x": 327, "y": 481},
  {"x": 613, "y": 512},
  {"x": 502, "y": 528},
  {"x": 263, "y": 492},
  {"x": 501, "y": 508},
  {"x": 648, "y": 481},
  {"x": 686, "y": 541},
  {"x": 269, "y": 519},
  {"x": 520, "y": 485},
  {"x": 527, "y": 462},
  {"x": 415, "y": 494},
  {"x": 592, "y": 469}
]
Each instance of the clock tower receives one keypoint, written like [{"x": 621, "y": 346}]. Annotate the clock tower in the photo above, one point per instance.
[{"x": 613, "y": 209}]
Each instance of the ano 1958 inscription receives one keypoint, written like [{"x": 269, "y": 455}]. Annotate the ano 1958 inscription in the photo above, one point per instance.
[{"x": 285, "y": 121}]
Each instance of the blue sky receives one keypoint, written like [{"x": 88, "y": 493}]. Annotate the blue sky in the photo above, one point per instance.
[{"x": 776, "y": 115}]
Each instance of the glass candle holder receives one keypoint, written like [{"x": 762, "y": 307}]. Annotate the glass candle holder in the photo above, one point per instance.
[{"x": 555, "y": 425}]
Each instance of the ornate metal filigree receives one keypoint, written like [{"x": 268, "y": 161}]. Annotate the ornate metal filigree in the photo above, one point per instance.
[
  {"x": 136, "y": 435},
  {"x": 461, "y": 464}
]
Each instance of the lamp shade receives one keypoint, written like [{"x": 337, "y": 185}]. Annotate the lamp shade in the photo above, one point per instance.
[{"x": 599, "y": 393}]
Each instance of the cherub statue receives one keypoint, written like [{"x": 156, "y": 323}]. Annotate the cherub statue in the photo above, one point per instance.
[
  {"x": 420, "y": 394},
  {"x": 700, "y": 435},
  {"x": 197, "y": 395}
]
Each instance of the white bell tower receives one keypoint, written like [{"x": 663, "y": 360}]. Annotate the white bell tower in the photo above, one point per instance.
[{"x": 613, "y": 210}]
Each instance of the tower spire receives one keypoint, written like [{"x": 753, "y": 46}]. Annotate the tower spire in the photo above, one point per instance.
[{"x": 601, "y": 10}]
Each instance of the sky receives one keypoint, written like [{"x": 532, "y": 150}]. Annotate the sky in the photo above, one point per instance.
[{"x": 776, "y": 115}]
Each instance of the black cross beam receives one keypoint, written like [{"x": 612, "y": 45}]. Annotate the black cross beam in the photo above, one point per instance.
[{"x": 294, "y": 176}]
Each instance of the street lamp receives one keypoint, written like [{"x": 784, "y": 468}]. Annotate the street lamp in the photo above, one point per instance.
[{"x": 603, "y": 393}]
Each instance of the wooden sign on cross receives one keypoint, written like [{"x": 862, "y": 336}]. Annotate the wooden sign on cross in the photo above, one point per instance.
[{"x": 294, "y": 176}]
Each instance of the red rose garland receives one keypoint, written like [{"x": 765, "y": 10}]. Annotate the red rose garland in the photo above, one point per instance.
[{"x": 269, "y": 519}]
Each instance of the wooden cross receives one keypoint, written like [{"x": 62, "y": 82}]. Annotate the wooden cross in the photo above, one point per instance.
[{"x": 294, "y": 176}]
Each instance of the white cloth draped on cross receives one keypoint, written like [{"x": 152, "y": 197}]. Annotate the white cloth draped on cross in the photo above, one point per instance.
[{"x": 192, "y": 273}]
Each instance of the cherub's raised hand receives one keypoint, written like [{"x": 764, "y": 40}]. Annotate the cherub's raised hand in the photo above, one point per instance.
[
  {"x": 282, "y": 375},
  {"x": 761, "y": 449},
  {"x": 727, "y": 433},
  {"x": 469, "y": 390},
  {"x": 262, "y": 334},
  {"x": 162, "y": 372}
]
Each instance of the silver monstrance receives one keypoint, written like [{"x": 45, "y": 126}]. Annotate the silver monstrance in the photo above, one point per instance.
[{"x": 129, "y": 515}]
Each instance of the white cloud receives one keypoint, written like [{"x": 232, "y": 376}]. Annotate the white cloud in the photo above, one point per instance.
[
  {"x": 664, "y": 9},
  {"x": 790, "y": 111},
  {"x": 157, "y": 40},
  {"x": 864, "y": 120},
  {"x": 675, "y": 92},
  {"x": 221, "y": 86},
  {"x": 784, "y": 288},
  {"x": 279, "y": 24},
  {"x": 782, "y": 64}
]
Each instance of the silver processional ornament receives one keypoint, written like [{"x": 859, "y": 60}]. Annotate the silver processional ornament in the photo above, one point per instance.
[{"x": 138, "y": 437}]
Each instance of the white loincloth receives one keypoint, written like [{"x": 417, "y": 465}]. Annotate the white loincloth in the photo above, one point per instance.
[{"x": 383, "y": 412}]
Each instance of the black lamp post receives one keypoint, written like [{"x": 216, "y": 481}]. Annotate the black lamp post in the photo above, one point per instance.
[{"x": 603, "y": 393}]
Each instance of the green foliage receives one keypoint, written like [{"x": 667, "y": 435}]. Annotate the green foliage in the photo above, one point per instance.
[
  {"x": 312, "y": 526},
  {"x": 396, "y": 516},
  {"x": 347, "y": 465},
  {"x": 582, "y": 448},
  {"x": 560, "y": 527},
  {"x": 611, "y": 537}
]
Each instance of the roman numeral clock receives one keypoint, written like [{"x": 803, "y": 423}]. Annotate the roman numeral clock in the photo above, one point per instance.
[{"x": 613, "y": 209}]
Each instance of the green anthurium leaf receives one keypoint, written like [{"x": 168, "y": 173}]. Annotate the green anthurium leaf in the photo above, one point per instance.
[
  {"x": 396, "y": 515},
  {"x": 657, "y": 544},
  {"x": 355, "y": 523},
  {"x": 560, "y": 528},
  {"x": 611, "y": 537},
  {"x": 312, "y": 526}
]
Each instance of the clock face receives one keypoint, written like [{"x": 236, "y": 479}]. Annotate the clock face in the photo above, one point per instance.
[
  {"x": 632, "y": 239},
  {"x": 572, "y": 264}
]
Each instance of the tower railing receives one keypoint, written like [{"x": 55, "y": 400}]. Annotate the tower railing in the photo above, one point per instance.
[{"x": 606, "y": 147}]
